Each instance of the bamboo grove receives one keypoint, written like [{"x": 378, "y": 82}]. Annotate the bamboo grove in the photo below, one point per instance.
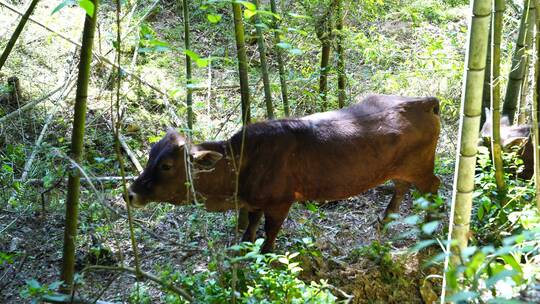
[
  {"x": 483, "y": 59},
  {"x": 331, "y": 34},
  {"x": 482, "y": 87}
]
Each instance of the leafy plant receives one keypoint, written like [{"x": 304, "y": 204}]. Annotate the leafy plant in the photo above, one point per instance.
[
  {"x": 34, "y": 291},
  {"x": 260, "y": 278},
  {"x": 506, "y": 230}
]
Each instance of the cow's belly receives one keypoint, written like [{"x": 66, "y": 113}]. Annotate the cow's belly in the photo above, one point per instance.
[{"x": 348, "y": 177}]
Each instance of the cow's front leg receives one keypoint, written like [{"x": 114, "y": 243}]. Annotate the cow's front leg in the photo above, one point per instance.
[
  {"x": 273, "y": 219},
  {"x": 254, "y": 218},
  {"x": 400, "y": 189}
]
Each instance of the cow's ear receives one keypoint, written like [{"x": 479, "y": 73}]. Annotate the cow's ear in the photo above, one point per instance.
[
  {"x": 514, "y": 141},
  {"x": 206, "y": 159}
]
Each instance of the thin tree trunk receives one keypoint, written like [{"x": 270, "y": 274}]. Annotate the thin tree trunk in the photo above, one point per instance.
[
  {"x": 72, "y": 200},
  {"x": 341, "y": 56},
  {"x": 518, "y": 64},
  {"x": 323, "y": 80},
  {"x": 281, "y": 65},
  {"x": 17, "y": 33},
  {"x": 264, "y": 67},
  {"x": 244, "y": 85},
  {"x": 536, "y": 95},
  {"x": 189, "y": 97},
  {"x": 496, "y": 149},
  {"x": 470, "y": 123}
]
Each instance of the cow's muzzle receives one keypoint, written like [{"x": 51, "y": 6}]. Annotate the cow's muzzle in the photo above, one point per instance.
[{"x": 133, "y": 199}]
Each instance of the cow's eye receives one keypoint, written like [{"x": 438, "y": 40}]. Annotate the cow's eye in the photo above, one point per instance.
[{"x": 166, "y": 167}]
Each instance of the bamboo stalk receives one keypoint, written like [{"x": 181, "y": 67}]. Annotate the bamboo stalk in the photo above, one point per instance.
[
  {"x": 72, "y": 201},
  {"x": 281, "y": 64},
  {"x": 496, "y": 149},
  {"x": 117, "y": 145},
  {"x": 515, "y": 78},
  {"x": 341, "y": 56},
  {"x": 189, "y": 96},
  {"x": 522, "y": 116},
  {"x": 536, "y": 95},
  {"x": 264, "y": 66},
  {"x": 242, "y": 62},
  {"x": 244, "y": 86},
  {"x": 17, "y": 33},
  {"x": 469, "y": 126}
]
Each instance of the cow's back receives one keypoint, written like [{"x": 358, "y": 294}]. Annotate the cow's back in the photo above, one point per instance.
[{"x": 338, "y": 154}]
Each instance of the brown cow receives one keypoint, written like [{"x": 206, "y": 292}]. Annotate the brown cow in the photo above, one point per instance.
[
  {"x": 512, "y": 136},
  {"x": 325, "y": 156}
]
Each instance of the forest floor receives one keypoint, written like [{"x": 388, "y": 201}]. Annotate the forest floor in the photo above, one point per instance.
[
  {"x": 180, "y": 239},
  {"x": 402, "y": 53}
]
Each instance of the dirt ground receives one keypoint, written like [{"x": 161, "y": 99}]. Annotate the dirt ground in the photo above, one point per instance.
[{"x": 337, "y": 228}]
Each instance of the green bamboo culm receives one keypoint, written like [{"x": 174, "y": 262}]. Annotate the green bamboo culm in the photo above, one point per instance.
[
  {"x": 341, "y": 56},
  {"x": 264, "y": 66},
  {"x": 189, "y": 96},
  {"x": 244, "y": 85},
  {"x": 513, "y": 89},
  {"x": 242, "y": 62},
  {"x": 17, "y": 32},
  {"x": 496, "y": 150},
  {"x": 486, "y": 95},
  {"x": 326, "y": 47},
  {"x": 536, "y": 95},
  {"x": 281, "y": 64},
  {"x": 471, "y": 107},
  {"x": 531, "y": 21},
  {"x": 72, "y": 200}
]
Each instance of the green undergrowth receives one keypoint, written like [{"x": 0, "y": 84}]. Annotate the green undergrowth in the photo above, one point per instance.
[{"x": 501, "y": 264}]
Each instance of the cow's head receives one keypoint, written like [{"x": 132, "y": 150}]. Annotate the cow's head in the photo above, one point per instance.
[
  {"x": 164, "y": 178},
  {"x": 510, "y": 136}
]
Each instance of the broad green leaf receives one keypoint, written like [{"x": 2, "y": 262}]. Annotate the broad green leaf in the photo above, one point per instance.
[
  {"x": 33, "y": 283},
  {"x": 248, "y": 5},
  {"x": 202, "y": 62},
  {"x": 283, "y": 260},
  {"x": 422, "y": 244},
  {"x": 293, "y": 255},
  {"x": 411, "y": 220},
  {"x": 284, "y": 45},
  {"x": 430, "y": 227},
  {"x": 213, "y": 18},
  {"x": 194, "y": 56},
  {"x": 88, "y": 6},
  {"x": 249, "y": 13}
]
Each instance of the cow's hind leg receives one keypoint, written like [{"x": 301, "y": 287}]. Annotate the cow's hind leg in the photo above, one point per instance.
[
  {"x": 400, "y": 189},
  {"x": 254, "y": 218},
  {"x": 273, "y": 219}
]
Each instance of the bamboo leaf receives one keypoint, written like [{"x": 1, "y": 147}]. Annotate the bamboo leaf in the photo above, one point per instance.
[
  {"x": 62, "y": 5},
  {"x": 248, "y": 5},
  {"x": 249, "y": 13},
  {"x": 88, "y": 6},
  {"x": 213, "y": 18}
]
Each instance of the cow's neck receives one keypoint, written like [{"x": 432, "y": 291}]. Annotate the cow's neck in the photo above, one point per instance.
[{"x": 216, "y": 187}]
